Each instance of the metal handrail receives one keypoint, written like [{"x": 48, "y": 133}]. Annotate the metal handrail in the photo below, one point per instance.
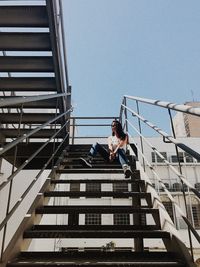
[
  {"x": 8, "y": 216},
  {"x": 195, "y": 233},
  {"x": 95, "y": 118},
  {"x": 181, "y": 176},
  {"x": 5, "y": 102},
  {"x": 3, "y": 184},
  {"x": 64, "y": 93},
  {"x": 73, "y": 124},
  {"x": 29, "y": 187},
  {"x": 21, "y": 138},
  {"x": 164, "y": 134},
  {"x": 168, "y": 139},
  {"x": 168, "y": 105}
]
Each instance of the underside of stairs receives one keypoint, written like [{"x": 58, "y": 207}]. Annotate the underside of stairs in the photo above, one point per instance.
[
  {"x": 139, "y": 208},
  {"x": 31, "y": 65}
]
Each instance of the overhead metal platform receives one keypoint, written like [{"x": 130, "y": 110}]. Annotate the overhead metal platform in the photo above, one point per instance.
[{"x": 35, "y": 30}]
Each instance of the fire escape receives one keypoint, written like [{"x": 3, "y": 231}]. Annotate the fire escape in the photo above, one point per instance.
[{"x": 35, "y": 131}]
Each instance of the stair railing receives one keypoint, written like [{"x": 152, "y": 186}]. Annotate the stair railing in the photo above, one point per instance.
[
  {"x": 56, "y": 21},
  {"x": 60, "y": 64},
  {"x": 25, "y": 220},
  {"x": 25, "y": 136},
  {"x": 10, "y": 212},
  {"x": 159, "y": 179},
  {"x": 125, "y": 109},
  {"x": 74, "y": 124},
  {"x": 26, "y": 99}
]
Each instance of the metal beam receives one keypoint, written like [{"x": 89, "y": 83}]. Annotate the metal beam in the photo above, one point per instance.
[
  {"x": 32, "y": 118},
  {"x": 12, "y": 100},
  {"x": 25, "y": 41},
  {"x": 26, "y": 64},
  {"x": 27, "y": 84},
  {"x": 23, "y": 16}
]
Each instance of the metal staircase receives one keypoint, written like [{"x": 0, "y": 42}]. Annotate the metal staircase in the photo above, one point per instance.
[
  {"x": 35, "y": 136},
  {"x": 175, "y": 253},
  {"x": 32, "y": 63}
]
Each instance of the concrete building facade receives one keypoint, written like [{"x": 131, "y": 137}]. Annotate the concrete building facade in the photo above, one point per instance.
[{"x": 187, "y": 125}]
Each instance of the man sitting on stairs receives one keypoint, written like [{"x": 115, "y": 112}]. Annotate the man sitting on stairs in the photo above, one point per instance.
[{"x": 117, "y": 143}]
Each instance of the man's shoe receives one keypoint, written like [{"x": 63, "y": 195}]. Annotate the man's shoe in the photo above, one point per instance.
[
  {"x": 127, "y": 171},
  {"x": 87, "y": 161}
]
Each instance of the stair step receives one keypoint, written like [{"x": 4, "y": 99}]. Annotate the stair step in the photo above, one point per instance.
[
  {"x": 80, "y": 147},
  {"x": 97, "y": 194},
  {"x": 27, "y": 118},
  {"x": 135, "y": 175},
  {"x": 48, "y": 227},
  {"x": 104, "y": 209},
  {"x": 90, "y": 170},
  {"x": 25, "y": 41},
  {"x": 97, "y": 234},
  {"x": 101, "y": 181},
  {"x": 79, "y": 154},
  {"x": 40, "y": 104},
  {"x": 26, "y": 64},
  {"x": 96, "y": 160},
  {"x": 23, "y": 16},
  {"x": 103, "y": 264},
  {"x": 97, "y": 165},
  {"x": 97, "y": 258},
  {"x": 45, "y": 133},
  {"x": 27, "y": 84}
]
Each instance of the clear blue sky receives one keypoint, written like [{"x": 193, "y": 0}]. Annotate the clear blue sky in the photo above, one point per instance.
[{"x": 146, "y": 48}]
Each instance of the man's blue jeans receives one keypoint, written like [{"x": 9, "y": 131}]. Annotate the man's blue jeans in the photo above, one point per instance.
[{"x": 120, "y": 155}]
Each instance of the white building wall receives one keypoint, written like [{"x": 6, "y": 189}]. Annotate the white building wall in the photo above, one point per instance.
[
  {"x": 179, "y": 125},
  {"x": 190, "y": 169},
  {"x": 20, "y": 183}
]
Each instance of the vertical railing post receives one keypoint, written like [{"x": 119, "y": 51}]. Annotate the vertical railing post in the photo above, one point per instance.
[
  {"x": 121, "y": 111},
  {"x": 73, "y": 130},
  {"x": 140, "y": 130},
  {"x": 68, "y": 107},
  {"x": 183, "y": 191},
  {"x": 54, "y": 140},
  {"x": 125, "y": 115}
]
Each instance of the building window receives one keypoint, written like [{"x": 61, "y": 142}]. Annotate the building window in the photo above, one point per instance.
[
  {"x": 174, "y": 158},
  {"x": 157, "y": 158},
  {"x": 196, "y": 215},
  {"x": 197, "y": 186},
  {"x": 188, "y": 158},
  {"x": 92, "y": 219},
  {"x": 121, "y": 218},
  {"x": 177, "y": 187},
  {"x": 169, "y": 209},
  {"x": 194, "y": 211},
  {"x": 121, "y": 187}
]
